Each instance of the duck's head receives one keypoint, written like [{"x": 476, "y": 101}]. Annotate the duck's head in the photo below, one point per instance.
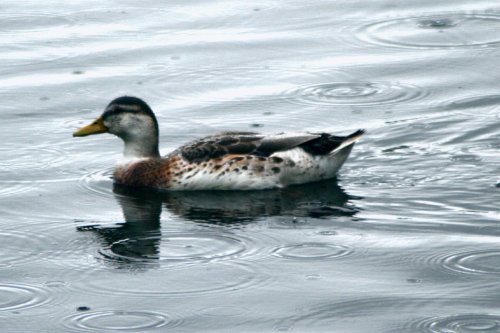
[{"x": 132, "y": 120}]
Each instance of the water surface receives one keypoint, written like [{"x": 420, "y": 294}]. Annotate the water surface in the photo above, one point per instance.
[{"x": 404, "y": 240}]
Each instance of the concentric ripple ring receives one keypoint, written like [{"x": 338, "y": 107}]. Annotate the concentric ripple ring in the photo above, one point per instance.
[
  {"x": 470, "y": 323},
  {"x": 445, "y": 31},
  {"x": 354, "y": 93},
  {"x": 474, "y": 262},
  {"x": 14, "y": 297},
  {"x": 312, "y": 251},
  {"x": 122, "y": 321}
]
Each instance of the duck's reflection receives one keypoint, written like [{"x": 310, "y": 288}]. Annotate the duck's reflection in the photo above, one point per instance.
[
  {"x": 318, "y": 200},
  {"x": 137, "y": 240}
]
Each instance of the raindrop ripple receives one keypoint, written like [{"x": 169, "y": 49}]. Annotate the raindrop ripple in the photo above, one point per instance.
[
  {"x": 355, "y": 93},
  {"x": 312, "y": 251},
  {"x": 463, "y": 323},
  {"x": 177, "y": 248},
  {"x": 438, "y": 31},
  {"x": 121, "y": 321},
  {"x": 180, "y": 282},
  {"x": 474, "y": 262},
  {"x": 98, "y": 182},
  {"x": 14, "y": 297}
]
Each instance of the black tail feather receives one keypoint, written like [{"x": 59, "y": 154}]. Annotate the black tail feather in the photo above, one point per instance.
[{"x": 326, "y": 143}]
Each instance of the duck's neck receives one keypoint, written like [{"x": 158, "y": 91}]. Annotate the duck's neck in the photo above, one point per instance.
[{"x": 140, "y": 147}]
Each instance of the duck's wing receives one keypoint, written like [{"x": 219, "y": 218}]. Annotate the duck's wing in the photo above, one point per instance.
[{"x": 243, "y": 143}]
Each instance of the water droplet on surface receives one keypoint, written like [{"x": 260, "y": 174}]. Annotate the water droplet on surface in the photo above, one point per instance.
[{"x": 436, "y": 23}]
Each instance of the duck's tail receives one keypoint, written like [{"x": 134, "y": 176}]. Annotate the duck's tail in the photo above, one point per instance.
[{"x": 349, "y": 140}]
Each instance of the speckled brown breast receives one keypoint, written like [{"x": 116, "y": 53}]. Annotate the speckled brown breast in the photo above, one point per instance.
[{"x": 142, "y": 173}]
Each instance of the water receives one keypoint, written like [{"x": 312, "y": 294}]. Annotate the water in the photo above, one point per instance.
[{"x": 405, "y": 240}]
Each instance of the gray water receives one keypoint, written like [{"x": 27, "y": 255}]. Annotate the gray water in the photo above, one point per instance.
[{"x": 405, "y": 240}]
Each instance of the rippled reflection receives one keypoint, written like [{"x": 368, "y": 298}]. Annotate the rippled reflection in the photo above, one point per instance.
[
  {"x": 139, "y": 242},
  {"x": 314, "y": 200},
  {"x": 137, "y": 239}
]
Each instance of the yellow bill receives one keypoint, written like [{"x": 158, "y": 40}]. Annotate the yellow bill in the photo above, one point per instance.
[{"x": 94, "y": 128}]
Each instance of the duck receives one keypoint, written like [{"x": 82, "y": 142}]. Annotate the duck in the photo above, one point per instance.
[{"x": 223, "y": 161}]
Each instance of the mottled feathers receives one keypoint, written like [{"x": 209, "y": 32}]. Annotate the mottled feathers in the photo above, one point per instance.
[{"x": 259, "y": 145}]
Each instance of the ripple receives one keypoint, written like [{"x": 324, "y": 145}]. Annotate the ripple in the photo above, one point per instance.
[
  {"x": 436, "y": 23},
  {"x": 372, "y": 310},
  {"x": 176, "y": 248},
  {"x": 474, "y": 102},
  {"x": 56, "y": 284},
  {"x": 355, "y": 93},
  {"x": 76, "y": 255},
  {"x": 122, "y": 321},
  {"x": 23, "y": 23},
  {"x": 24, "y": 168},
  {"x": 22, "y": 158},
  {"x": 466, "y": 158},
  {"x": 224, "y": 311},
  {"x": 465, "y": 323},
  {"x": 10, "y": 188},
  {"x": 312, "y": 251},
  {"x": 181, "y": 281},
  {"x": 474, "y": 262},
  {"x": 235, "y": 84},
  {"x": 448, "y": 30},
  {"x": 21, "y": 246},
  {"x": 98, "y": 182},
  {"x": 17, "y": 296}
]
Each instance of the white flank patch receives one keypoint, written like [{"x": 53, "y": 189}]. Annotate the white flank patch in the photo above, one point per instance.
[{"x": 307, "y": 168}]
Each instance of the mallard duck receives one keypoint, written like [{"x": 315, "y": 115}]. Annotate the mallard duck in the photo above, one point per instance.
[{"x": 225, "y": 161}]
